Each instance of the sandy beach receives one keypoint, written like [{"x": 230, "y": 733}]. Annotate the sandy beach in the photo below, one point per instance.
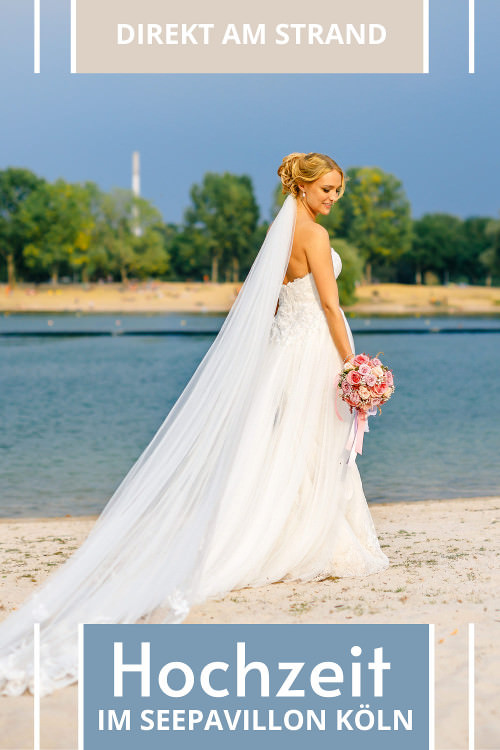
[
  {"x": 165, "y": 297},
  {"x": 444, "y": 570}
]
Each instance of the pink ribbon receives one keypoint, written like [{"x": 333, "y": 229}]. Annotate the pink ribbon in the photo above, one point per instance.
[
  {"x": 362, "y": 427},
  {"x": 355, "y": 442}
]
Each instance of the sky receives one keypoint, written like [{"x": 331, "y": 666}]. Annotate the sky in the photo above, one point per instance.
[{"x": 437, "y": 133}]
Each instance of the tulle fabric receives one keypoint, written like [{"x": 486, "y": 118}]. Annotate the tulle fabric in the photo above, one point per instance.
[{"x": 246, "y": 482}]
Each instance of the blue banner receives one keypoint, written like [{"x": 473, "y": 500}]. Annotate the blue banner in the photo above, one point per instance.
[{"x": 195, "y": 686}]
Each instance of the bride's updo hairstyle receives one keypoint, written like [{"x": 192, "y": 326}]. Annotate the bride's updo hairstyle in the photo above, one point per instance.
[{"x": 297, "y": 168}]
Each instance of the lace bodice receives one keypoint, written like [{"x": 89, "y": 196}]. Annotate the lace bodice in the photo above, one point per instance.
[{"x": 300, "y": 311}]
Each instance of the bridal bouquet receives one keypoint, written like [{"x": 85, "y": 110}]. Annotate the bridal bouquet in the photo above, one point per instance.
[{"x": 364, "y": 384}]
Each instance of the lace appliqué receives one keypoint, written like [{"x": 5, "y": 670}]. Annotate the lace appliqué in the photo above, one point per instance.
[{"x": 300, "y": 312}]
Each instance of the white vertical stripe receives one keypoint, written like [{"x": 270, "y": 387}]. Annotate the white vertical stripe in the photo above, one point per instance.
[
  {"x": 36, "y": 686},
  {"x": 472, "y": 50},
  {"x": 471, "y": 687},
  {"x": 73, "y": 36},
  {"x": 425, "y": 34},
  {"x": 36, "y": 36},
  {"x": 80, "y": 686},
  {"x": 432, "y": 688}
]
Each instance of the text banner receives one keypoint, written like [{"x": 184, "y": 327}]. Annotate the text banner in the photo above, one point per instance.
[
  {"x": 359, "y": 36},
  {"x": 284, "y": 686}
]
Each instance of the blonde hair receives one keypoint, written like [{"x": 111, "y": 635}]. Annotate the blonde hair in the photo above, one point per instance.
[{"x": 297, "y": 168}]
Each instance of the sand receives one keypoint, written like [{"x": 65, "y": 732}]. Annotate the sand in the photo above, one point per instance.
[
  {"x": 152, "y": 297},
  {"x": 399, "y": 299},
  {"x": 444, "y": 570},
  {"x": 165, "y": 297}
]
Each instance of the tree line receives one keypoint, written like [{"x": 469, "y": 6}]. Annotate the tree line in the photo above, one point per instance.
[{"x": 75, "y": 231}]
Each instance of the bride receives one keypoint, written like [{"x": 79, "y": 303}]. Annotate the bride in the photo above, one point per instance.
[{"x": 246, "y": 481}]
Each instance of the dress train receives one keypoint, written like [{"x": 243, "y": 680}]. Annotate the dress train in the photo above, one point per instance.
[{"x": 246, "y": 482}]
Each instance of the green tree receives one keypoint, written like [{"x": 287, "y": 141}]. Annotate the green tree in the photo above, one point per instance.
[
  {"x": 475, "y": 242},
  {"x": 490, "y": 257},
  {"x": 128, "y": 236},
  {"x": 189, "y": 255},
  {"x": 449, "y": 247},
  {"x": 376, "y": 217},
  {"x": 352, "y": 271},
  {"x": 150, "y": 255},
  {"x": 91, "y": 261},
  {"x": 113, "y": 240},
  {"x": 225, "y": 214},
  {"x": 438, "y": 244},
  {"x": 16, "y": 185},
  {"x": 57, "y": 224}
]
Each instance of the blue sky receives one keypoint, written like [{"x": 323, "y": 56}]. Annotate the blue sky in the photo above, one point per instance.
[{"x": 437, "y": 133}]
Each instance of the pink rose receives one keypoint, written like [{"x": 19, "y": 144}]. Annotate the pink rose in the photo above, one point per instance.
[
  {"x": 388, "y": 377},
  {"x": 353, "y": 377},
  {"x": 364, "y": 369},
  {"x": 345, "y": 386},
  {"x": 380, "y": 388},
  {"x": 361, "y": 359},
  {"x": 370, "y": 379},
  {"x": 376, "y": 362},
  {"x": 363, "y": 392},
  {"x": 364, "y": 407},
  {"x": 354, "y": 399}
]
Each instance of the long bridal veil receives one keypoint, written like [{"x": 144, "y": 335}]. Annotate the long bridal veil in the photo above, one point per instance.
[{"x": 146, "y": 550}]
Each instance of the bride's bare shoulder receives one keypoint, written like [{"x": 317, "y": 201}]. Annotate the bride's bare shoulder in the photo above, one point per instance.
[{"x": 311, "y": 235}]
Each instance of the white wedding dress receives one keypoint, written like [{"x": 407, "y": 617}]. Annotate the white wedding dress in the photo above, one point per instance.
[
  {"x": 295, "y": 507},
  {"x": 245, "y": 483}
]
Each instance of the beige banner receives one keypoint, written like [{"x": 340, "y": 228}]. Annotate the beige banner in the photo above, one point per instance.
[{"x": 261, "y": 36}]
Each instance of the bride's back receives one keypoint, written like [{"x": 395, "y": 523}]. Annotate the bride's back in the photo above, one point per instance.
[{"x": 304, "y": 234}]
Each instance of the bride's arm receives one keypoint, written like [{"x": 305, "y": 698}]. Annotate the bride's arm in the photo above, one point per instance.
[{"x": 319, "y": 257}]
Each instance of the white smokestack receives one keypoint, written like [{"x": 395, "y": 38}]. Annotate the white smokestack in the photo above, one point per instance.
[
  {"x": 136, "y": 174},
  {"x": 136, "y": 189}
]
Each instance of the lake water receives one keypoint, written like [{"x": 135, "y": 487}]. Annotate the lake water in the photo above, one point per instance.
[{"x": 77, "y": 411}]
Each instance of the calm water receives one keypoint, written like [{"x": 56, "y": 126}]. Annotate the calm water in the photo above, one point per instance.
[{"x": 77, "y": 412}]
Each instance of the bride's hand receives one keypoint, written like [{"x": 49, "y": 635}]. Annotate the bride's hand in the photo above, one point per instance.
[{"x": 348, "y": 357}]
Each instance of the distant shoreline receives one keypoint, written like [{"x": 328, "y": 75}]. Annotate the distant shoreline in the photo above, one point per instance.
[{"x": 159, "y": 297}]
